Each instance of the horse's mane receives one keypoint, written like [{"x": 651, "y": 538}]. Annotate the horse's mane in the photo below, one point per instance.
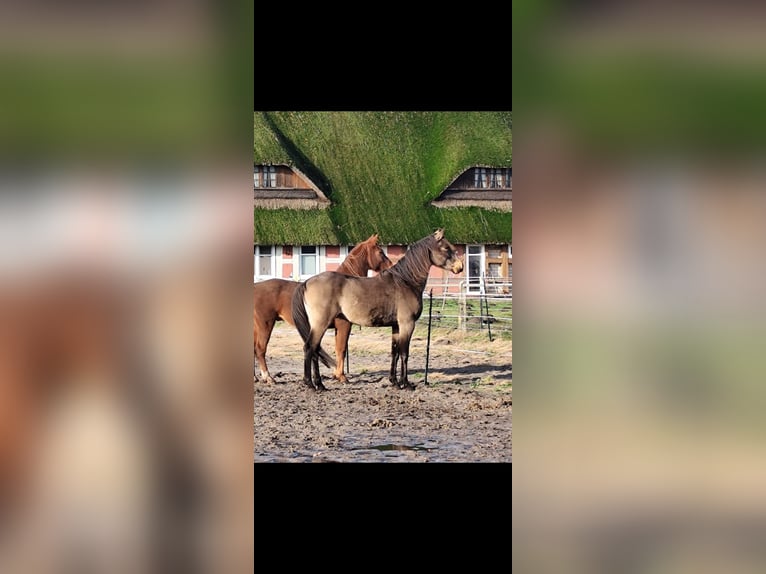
[{"x": 414, "y": 263}]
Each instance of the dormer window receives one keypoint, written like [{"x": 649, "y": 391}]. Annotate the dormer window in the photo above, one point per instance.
[
  {"x": 487, "y": 187},
  {"x": 279, "y": 186}
]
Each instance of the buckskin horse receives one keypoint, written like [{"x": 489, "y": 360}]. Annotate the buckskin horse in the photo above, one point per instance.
[
  {"x": 273, "y": 302},
  {"x": 393, "y": 298}
]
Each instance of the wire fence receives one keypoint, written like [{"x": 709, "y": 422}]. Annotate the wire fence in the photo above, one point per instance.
[{"x": 484, "y": 305}]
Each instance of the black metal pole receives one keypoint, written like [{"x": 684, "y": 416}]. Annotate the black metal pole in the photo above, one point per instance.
[
  {"x": 486, "y": 306},
  {"x": 482, "y": 301},
  {"x": 481, "y": 311},
  {"x": 428, "y": 339}
]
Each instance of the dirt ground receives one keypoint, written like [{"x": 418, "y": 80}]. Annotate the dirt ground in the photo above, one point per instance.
[{"x": 462, "y": 415}]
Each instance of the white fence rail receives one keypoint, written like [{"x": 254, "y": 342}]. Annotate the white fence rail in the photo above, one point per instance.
[{"x": 489, "y": 286}]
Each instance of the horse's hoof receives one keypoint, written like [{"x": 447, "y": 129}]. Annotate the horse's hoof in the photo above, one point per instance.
[
  {"x": 308, "y": 383},
  {"x": 341, "y": 378},
  {"x": 319, "y": 387},
  {"x": 268, "y": 380}
]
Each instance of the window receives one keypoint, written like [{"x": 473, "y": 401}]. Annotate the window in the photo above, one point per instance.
[
  {"x": 480, "y": 177},
  {"x": 264, "y": 262},
  {"x": 492, "y": 178},
  {"x": 487, "y": 178},
  {"x": 264, "y": 176},
  {"x": 308, "y": 261},
  {"x": 497, "y": 178},
  {"x": 494, "y": 251},
  {"x": 474, "y": 266}
]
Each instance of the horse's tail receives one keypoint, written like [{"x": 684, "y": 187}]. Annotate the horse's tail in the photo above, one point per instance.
[
  {"x": 326, "y": 359},
  {"x": 301, "y": 320}
]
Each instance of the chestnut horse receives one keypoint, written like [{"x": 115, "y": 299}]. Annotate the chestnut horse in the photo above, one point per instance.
[
  {"x": 273, "y": 302},
  {"x": 393, "y": 298}
]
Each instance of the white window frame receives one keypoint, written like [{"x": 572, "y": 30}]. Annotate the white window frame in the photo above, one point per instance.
[
  {"x": 264, "y": 176},
  {"x": 474, "y": 287},
  {"x": 272, "y": 176},
  {"x": 497, "y": 178},
  {"x": 303, "y": 276},
  {"x": 256, "y": 260},
  {"x": 480, "y": 179}
]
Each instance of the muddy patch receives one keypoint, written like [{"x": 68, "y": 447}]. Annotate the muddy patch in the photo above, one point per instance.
[{"x": 463, "y": 415}]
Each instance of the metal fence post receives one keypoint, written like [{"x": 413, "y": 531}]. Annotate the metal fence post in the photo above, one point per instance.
[
  {"x": 486, "y": 306},
  {"x": 428, "y": 338}
]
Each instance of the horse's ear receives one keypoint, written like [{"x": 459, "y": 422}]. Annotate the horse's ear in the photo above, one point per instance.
[{"x": 439, "y": 234}]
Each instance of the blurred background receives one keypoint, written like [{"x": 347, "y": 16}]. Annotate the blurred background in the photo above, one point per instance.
[
  {"x": 125, "y": 272},
  {"x": 639, "y": 327}
]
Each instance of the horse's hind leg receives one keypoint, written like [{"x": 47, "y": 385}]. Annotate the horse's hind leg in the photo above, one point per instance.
[
  {"x": 317, "y": 377},
  {"x": 394, "y": 355},
  {"x": 263, "y": 331},
  {"x": 342, "y": 332},
  {"x": 311, "y": 362},
  {"x": 307, "y": 359}
]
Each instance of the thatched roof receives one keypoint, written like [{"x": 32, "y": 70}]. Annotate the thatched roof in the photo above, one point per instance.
[{"x": 381, "y": 171}]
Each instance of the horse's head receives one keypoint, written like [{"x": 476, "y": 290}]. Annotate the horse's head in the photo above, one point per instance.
[
  {"x": 376, "y": 257},
  {"x": 444, "y": 254}
]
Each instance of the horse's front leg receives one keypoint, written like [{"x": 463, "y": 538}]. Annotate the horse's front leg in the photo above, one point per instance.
[
  {"x": 404, "y": 354},
  {"x": 394, "y": 355},
  {"x": 262, "y": 335}
]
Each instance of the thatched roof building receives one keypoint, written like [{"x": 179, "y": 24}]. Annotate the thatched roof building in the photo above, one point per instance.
[{"x": 391, "y": 173}]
